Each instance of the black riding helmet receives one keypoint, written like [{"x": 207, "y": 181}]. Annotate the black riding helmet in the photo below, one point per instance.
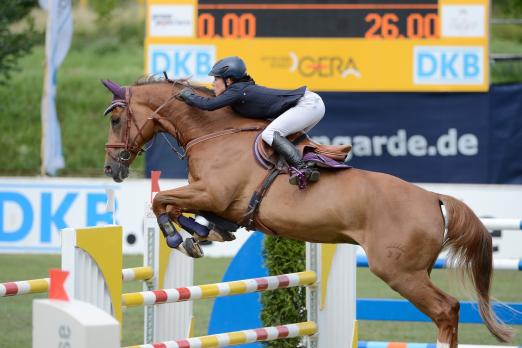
[{"x": 232, "y": 67}]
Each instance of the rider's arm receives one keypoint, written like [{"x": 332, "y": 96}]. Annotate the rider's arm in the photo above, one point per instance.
[{"x": 228, "y": 97}]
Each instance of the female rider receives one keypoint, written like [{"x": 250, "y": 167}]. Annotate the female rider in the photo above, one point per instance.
[{"x": 290, "y": 110}]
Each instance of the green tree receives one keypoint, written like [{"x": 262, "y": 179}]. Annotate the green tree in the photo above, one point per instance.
[
  {"x": 508, "y": 8},
  {"x": 15, "y": 44},
  {"x": 103, "y": 8},
  {"x": 515, "y": 8}
]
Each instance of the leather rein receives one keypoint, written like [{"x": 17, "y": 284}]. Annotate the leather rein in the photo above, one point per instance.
[{"x": 130, "y": 148}]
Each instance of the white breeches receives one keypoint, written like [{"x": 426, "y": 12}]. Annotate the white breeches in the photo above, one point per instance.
[{"x": 308, "y": 111}]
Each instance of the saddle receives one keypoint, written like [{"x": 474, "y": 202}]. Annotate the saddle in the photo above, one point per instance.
[{"x": 325, "y": 156}]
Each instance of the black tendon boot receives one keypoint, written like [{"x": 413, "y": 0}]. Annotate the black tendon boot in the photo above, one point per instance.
[
  {"x": 300, "y": 172},
  {"x": 174, "y": 240}
]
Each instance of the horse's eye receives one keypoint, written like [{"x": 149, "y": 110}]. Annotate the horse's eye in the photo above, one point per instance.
[{"x": 115, "y": 121}]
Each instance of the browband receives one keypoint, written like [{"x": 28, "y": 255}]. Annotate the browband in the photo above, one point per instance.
[{"x": 115, "y": 104}]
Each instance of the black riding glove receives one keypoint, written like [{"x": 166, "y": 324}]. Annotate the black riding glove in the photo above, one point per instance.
[{"x": 186, "y": 93}]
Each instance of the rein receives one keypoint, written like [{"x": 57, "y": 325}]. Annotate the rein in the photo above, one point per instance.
[
  {"x": 131, "y": 148},
  {"x": 220, "y": 133}
]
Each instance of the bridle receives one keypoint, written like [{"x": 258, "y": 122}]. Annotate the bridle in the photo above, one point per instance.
[{"x": 130, "y": 148}]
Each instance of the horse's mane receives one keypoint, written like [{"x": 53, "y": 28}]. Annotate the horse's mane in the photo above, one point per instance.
[{"x": 159, "y": 78}]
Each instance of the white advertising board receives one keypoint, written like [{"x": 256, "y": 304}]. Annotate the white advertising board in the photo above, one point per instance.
[
  {"x": 33, "y": 210},
  {"x": 491, "y": 201},
  {"x": 171, "y": 21}
]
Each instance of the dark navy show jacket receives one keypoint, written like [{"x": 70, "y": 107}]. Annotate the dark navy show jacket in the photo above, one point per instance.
[{"x": 250, "y": 100}]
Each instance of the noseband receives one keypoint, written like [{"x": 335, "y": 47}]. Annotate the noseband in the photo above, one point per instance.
[{"x": 130, "y": 148}]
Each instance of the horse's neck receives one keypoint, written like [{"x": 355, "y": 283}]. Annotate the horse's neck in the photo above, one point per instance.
[
  {"x": 193, "y": 123},
  {"x": 223, "y": 156},
  {"x": 227, "y": 152}
]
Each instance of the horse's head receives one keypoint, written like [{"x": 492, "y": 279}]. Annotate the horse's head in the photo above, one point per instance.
[
  {"x": 131, "y": 127},
  {"x": 138, "y": 112}
]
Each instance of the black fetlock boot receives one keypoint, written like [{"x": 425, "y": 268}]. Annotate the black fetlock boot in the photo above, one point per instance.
[
  {"x": 174, "y": 240},
  {"x": 300, "y": 172}
]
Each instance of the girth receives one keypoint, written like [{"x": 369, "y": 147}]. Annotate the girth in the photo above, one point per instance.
[{"x": 250, "y": 218}]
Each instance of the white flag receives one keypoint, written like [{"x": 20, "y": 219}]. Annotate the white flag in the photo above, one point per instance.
[
  {"x": 43, "y": 4},
  {"x": 111, "y": 204},
  {"x": 57, "y": 42}
]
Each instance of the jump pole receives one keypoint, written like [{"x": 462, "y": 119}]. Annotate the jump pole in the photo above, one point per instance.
[
  {"x": 330, "y": 301},
  {"x": 34, "y": 286}
]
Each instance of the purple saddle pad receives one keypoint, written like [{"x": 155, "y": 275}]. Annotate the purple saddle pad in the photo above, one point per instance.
[{"x": 324, "y": 162}]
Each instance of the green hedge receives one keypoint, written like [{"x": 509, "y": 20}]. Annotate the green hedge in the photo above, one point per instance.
[{"x": 289, "y": 305}]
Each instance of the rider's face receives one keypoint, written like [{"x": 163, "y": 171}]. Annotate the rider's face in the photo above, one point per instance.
[{"x": 219, "y": 85}]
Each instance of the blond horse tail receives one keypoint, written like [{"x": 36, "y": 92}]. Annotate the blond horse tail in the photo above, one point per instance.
[{"x": 471, "y": 251}]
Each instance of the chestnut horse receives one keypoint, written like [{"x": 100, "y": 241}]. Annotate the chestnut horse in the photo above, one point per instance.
[{"x": 400, "y": 226}]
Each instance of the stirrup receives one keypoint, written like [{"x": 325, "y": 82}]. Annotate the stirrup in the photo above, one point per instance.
[{"x": 301, "y": 177}]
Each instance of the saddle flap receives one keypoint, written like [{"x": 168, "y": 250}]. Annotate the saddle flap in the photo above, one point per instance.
[
  {"x": 265, "y": 154},
  {"x": 335, "y": 152}
]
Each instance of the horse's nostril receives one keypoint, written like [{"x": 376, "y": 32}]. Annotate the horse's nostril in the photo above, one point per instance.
[{"x": 108, "y": 170}]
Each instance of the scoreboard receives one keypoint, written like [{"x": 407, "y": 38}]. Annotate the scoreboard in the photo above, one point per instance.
[
  {"x": 330, "y": 45},
  {"x": 312, "y": 19}
]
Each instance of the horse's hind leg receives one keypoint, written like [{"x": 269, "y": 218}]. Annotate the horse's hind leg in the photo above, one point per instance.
[
  {"x": 442, "y": 308},
  {"x": 221, "y": 230}
]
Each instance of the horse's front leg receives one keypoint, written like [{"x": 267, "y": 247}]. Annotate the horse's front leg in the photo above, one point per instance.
[{"x": 188, "y": 198}]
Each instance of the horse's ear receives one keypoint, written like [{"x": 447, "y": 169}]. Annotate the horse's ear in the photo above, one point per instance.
[{"x": 117, "y": 90}]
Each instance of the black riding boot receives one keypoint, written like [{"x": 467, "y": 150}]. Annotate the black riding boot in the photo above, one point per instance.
[{"x": 301, "y": 172}]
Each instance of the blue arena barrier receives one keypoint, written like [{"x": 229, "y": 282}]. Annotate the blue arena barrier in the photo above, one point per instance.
[{"x": 402, "y": 310}]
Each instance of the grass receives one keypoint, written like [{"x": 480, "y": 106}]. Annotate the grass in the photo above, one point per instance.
[
  {"x": 16, "y": 311},
  {"x": 112, "y": 50},
  {"x": 115, "y": 51},
  {"x": 507, "y": 286},
  {"x": 81, "y": 100},
  {"x": 506, "y": 39}
]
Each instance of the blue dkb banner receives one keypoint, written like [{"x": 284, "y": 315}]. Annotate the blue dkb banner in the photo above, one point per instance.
[{"x": 419, "y": 137}]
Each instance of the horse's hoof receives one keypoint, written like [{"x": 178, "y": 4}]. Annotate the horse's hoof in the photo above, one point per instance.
[
  {"x": 192, "y": 248},
  {"x": 216, "y": 235},
  {"x": 227, "y": 236},
  {"x": 182, "y": 250}
]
